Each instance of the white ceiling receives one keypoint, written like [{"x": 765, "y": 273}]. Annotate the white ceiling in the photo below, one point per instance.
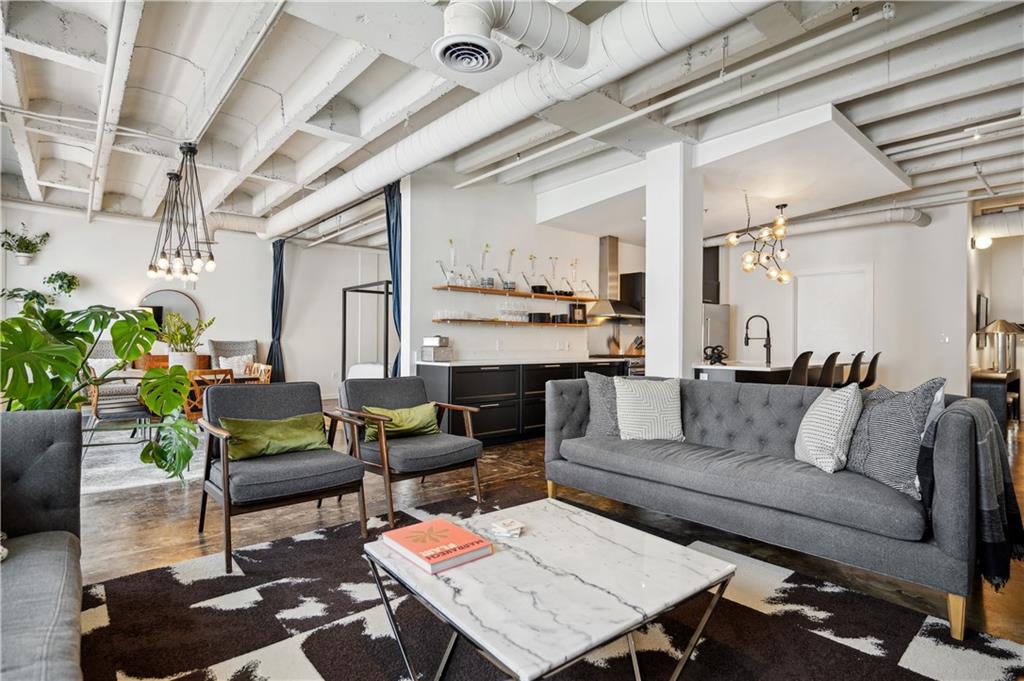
[{"x": 331, "y": 84}]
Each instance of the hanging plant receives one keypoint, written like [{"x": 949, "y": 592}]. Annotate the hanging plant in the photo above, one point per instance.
[
  {"x": 62, "y": 283},
  {"x": 27, "y": 296},
  {"x": 23, "y": 245}
]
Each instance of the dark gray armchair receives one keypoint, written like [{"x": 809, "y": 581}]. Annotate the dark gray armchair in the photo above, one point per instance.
[
  {"x": 268, "y": 482},
  {"x": 409, "y": 457},
  {"x": 220, "y": 349},
  {"x": 40, "y": 629}
]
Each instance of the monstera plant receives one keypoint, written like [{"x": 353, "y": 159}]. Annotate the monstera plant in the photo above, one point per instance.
[{"x": 44, "y": 355}]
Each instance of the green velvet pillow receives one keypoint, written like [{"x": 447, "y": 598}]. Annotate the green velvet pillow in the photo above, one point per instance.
[
  {"x": 406, "y": 422},
  {"x": 258, "y": 437}
]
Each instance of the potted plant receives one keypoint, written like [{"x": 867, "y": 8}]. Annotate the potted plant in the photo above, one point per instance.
[
  {"x": 25, "y": 295},
  {"x": 62, "y": 283},
  {"x": 23, "y": 245},
  {"x": 182, "y": 339},
  {"x": 55, "y": 346}
]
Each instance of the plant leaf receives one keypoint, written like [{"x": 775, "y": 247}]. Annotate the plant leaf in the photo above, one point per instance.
[
  {"x": 164, "y": 390},
  {"x": 174, "y": 447},
  {"x": 133, "y": 334},
  {"x": 30, "y": 359}
]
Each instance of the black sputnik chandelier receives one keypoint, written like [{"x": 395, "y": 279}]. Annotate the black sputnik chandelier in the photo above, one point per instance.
[
  {"x": 183, "y": 248},
  {"x": 767, "y": 250}
]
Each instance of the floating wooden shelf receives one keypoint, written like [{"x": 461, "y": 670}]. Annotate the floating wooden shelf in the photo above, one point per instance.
[
  {"x": 502, "y": 322},
  {"x": 515, "y": 294}
]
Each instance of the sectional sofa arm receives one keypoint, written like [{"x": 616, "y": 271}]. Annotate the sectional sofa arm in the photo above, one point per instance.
[
  {"x": 953, "y": 501},
  {"x": 566, "y": 412}
]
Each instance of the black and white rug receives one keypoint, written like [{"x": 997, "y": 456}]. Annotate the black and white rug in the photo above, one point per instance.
[{"x": 305, "y": 607}]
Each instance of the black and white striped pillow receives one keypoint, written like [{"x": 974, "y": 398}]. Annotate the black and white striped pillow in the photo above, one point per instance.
[{"x": 887, "y": 438}]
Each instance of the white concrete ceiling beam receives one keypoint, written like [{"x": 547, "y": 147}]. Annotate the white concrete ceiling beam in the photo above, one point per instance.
[
  {"x": 553, "y": 160},
  {"x": 378, "y": 240},
  {"x": 954, "y": 115},
  {"x": 980, "y": 151},
  {"x": 337, "y": 120},
  {"x": 961, "y": 83},
  {"x": 15, "y": 94},
  {"x": 996, "y": 180},
  {"x": 997, "y": 166},
  {"x": 504, "y": 145},
  {"x": 130, "y": 22},
  {"x": 362, "y": 231},
  {"x": 949, "y": 143},
  {"x": 341, "y": 62},
  {"x": 705, "y": 57},
  {"x": 368, "y": 211},
  {"x": 48, "y": 32},
  {"x": 409, "y": 94},
  {"x": 862, "y": 63}
]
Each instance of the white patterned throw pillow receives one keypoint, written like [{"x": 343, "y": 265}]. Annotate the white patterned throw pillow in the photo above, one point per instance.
[
  {"x": 826, "y": 429},
  {"x": 239, "y": 365},
  {"x": 648, "y": 410}
]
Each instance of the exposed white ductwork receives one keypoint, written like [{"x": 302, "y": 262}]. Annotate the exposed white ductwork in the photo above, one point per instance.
[
  {"x": 627, "y": 38},
  {"x": 467, "y": 46},
  {"x": 999, "y": 225},
  {"x": 234, "y": 223},
  {"x": 890, "y": 216}
]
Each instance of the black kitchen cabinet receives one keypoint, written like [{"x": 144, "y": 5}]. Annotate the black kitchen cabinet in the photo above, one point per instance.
[
  {"x": 510, "y": 396},
  {"x": 633, "y": 290}
]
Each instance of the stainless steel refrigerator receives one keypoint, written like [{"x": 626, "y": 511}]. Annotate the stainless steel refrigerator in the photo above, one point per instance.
[{"x": 715, "y": 326}]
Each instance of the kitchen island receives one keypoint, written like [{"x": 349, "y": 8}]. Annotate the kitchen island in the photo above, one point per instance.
[
  {"x": 508, "y": 392},
  {"x": 757, "y": 372}
]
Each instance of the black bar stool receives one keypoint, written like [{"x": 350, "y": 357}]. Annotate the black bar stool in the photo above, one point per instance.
[
  {"x": 854, "y": 375},
  {"x": 872, "y": 376},
  {"x": 828, "y": 371}
]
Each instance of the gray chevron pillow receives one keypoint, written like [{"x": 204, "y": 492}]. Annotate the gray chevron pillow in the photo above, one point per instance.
[{"x": 649, "y": 410}]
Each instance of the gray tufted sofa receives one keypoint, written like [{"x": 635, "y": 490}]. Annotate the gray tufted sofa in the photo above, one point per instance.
[
  {"x": 41, "y": 597},
  {"x": 736, "y": 471}
]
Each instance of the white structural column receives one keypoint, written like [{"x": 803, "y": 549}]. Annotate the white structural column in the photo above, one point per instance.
[{"x": 675, "y": 228}]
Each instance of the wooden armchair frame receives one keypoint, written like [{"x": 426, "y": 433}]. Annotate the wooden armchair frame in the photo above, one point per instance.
[
  {"x": 217, "y": 446},
  {"x": 354, "y": 420}
]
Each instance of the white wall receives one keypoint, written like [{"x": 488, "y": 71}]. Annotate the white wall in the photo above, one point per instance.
[
  {"x": 503, "y": 216},
  {"x": 110, "y": 257},
  {"x": 920, "y": 310}
]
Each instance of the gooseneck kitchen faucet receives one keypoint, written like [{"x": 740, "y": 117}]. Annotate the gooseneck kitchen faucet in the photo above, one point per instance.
[{"x": 767, "y": 338}]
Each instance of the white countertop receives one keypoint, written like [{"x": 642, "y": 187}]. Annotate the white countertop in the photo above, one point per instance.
[
  {"x": 572, "y": 580},
  {"x": 534, "y": 360},
  {"x": 757, "y": 366}
]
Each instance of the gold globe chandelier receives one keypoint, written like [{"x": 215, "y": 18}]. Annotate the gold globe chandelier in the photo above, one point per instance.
[
  {"x": 183, "y": 248},
  {"x": 767, "y": 250}
]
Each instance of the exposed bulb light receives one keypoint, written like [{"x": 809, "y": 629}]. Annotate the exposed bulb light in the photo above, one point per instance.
[
  {"x": 782, "y": 254},
  {"x": 982, "y": 242},
  {"x": 765, "y": 258},
  {"x": 182, "y": 245},
  {"x": 191, "y": 276},
  {"x": 163, "y": 262},
  {"x": 733, "y": 239},
  {"x": 779, "y": 231},
  {"x": 168, "y": 275},
  {"x": 749, "y": 258},
  {"x": 211, "y": 264},
  {"x": 152, "y": 272},
  {"x": 178, "y": 260},
  {"x": 765, "y": 233},
  {"x": 197, "y": 265},
  {"x": 785, "y": 276},
  {"x": 772, "y": 272},
  {"x": 748, "y": 267}
]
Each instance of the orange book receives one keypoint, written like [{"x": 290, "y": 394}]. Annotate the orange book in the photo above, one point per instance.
[{"x": 437, "y": 544}]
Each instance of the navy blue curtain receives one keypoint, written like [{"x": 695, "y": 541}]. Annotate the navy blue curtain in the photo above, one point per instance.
[
  {"x": 275, "y": 358},
  {"x": 393, "y": 203}
]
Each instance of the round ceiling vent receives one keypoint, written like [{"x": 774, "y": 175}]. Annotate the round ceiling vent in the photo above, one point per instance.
[{"x": 467, "y": 53}]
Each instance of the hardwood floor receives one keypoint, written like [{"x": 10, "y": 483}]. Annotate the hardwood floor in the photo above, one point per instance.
[{"x": 146, "y": 527}]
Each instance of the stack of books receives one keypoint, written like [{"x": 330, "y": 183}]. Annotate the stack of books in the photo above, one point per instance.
[
  {"x": 436, "y": 545},
  {"x": 507, "y": 528}
]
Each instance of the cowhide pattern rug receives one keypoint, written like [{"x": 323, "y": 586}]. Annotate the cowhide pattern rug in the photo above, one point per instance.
[{"x": 305, "y": 607}]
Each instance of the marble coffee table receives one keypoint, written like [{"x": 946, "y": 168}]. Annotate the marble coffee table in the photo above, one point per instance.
[{"x": 571, "y": 583}]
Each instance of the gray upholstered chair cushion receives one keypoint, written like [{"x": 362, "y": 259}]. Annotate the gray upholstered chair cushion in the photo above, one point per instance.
[
  {"x": 390, "y": 393},
  {"x": 40, "y": 631},
  {"x": 844, "y": 497},
  {"x": 104, "y": 350},
  {"x": 283, "y": 475},
  {"x": 750, "y": 417},
  {"x": 271, "y": 401},
  {"x": 424, "y": 452},
  {"x": 220, "y": 349},
  {"x": 40, "y": 468}
]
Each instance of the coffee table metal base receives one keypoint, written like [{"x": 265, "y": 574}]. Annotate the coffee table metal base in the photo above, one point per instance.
[{"x": 442, "y": 668}]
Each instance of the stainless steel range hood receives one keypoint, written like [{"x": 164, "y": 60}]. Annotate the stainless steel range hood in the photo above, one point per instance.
[{"x": 608, "y": 304}]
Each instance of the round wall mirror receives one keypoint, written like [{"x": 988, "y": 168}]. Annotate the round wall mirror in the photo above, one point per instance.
[{"x": 168, "y": 300}]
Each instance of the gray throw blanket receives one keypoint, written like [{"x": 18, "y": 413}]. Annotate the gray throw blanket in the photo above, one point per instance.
[{"x": 1000, "y": 533}]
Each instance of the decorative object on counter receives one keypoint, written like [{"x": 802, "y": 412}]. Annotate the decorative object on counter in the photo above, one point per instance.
[
  {"x": 23, "y": 245},
  {"x": 577, "y": 313},
  {"x": 509, "y": 283},
  {"x": 593, "y": 293},
  {"x": 559, "y": 319},
  {"x": 183, "y": 247},
  {"x": 573, "y": 265},
  {"x": 1006, "y": 343},
  {"x": 435, "y": 341},
  {"x": 436, "y": 353},
  {"x": 483, "y": 256},
  {"x": 451, "y": 254},
  {"x": 62, "y": 283},
  {"x": 540, "y": 317},
  {"x": 506, "y": 284},
  {"x": 182, "y": 338},
  {"x": 767, "y": 251},
  {"x": 715, "y": 354}
]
